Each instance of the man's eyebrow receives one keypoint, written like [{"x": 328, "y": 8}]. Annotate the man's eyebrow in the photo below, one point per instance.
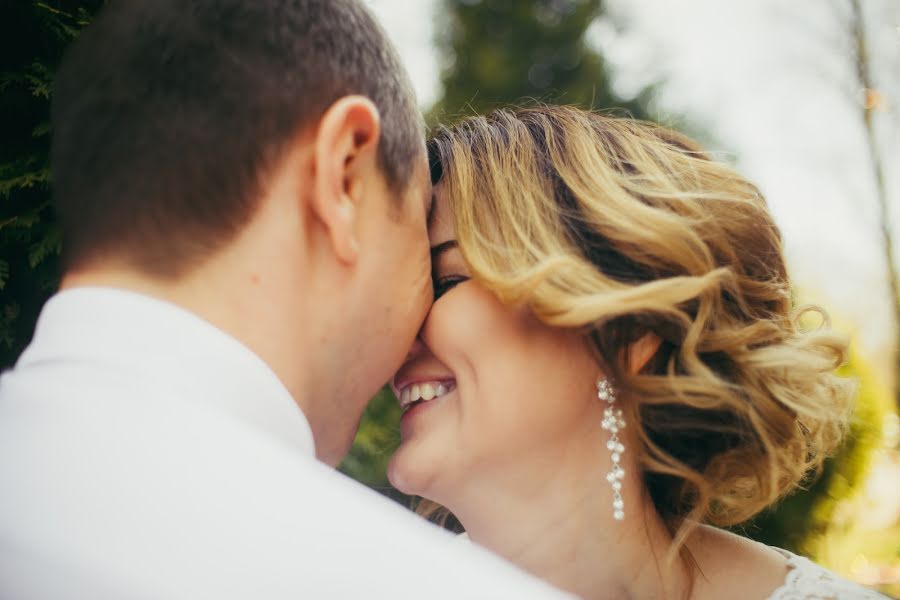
[{"x": 443, "y": 247}]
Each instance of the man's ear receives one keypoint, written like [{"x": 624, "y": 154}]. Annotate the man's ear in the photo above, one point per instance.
[
  {"x": 345, "y": 154},
  {"x": 641, "y": 351}
]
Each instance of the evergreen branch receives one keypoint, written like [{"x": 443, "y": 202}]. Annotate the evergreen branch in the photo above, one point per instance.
[
  {"x": 23, "y": 173},
  {"x": 8, "y": 317},
  {"x": 9, "y": 78},
  {"x": 40, "y": 79},
  {"x": 53, "y": 10},
  {"x": 50, "y": 244},
  {"x": 63, "y": 29},
  {"x": 26, "y": 220},
  {"x": 28, "y": 179},
  {"x": 41, "y": 129}
]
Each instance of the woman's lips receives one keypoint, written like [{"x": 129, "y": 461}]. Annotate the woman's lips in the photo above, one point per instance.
[
  {"x": 418, "y": 394},
  {"x": 413, "y": 410},
  {"x": 423, "y": 391}
]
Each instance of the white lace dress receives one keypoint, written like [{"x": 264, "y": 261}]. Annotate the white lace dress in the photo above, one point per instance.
[{"x": 808, "y": 581}]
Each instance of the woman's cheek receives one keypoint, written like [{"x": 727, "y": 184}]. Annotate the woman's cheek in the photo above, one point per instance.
[{"x": 459, "y": 324}]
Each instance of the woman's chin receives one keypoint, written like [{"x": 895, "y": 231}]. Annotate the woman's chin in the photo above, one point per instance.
[
  {"x": 406, "y": 473},
  {"x": 397, "y": 473}
]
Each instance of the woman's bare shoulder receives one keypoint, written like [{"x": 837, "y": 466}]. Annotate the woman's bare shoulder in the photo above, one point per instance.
[{"x": 736, "y": 567}]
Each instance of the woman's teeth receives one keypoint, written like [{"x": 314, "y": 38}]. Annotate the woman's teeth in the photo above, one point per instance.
[{"x": 424, "y": 391}]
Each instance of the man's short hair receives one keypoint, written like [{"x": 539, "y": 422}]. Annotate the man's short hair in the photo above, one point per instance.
[{"x": 168, "y": 114}]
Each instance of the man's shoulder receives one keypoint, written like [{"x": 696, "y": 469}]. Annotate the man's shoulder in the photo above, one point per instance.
[{"x": 214, "y": 505}]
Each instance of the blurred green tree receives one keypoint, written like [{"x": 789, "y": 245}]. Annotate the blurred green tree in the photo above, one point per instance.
[
  {"x": 33, "y": 35},
  {"x": 500, "y": 52}
]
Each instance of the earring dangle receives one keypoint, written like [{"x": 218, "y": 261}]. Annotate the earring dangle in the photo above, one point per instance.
[{"x": 613, "y": 422}]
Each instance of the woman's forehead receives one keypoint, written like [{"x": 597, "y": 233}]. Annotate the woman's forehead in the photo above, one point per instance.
[{"x": 441, "y": 227}]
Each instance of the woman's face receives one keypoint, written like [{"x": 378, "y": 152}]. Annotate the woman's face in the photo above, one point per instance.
[{"x": 496, "y": 388}]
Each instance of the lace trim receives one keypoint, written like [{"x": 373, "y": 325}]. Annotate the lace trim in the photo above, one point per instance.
[{"x": 808, "y": 581}]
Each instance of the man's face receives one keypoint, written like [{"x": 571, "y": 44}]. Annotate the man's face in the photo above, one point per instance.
[
  {"x": 396, "y": 259},
  {"x": 392, "y": 291}
]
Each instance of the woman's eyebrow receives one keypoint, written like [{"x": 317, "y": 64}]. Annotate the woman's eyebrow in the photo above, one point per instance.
[{"x": 443, "y": 247}]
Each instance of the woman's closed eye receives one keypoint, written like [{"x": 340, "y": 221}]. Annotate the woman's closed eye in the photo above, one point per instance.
[
  {"x": 448, "y": 268},
  {"x": 442, "y": 285}
]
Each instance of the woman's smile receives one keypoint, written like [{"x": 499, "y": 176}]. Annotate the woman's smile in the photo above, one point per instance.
[
  {"x": 414, "y": 412},
  {"x": 419, "y": 396},
  {"x": 413, "y": 392}
]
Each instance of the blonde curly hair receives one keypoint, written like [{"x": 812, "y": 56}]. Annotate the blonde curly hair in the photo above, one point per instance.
[{"x": 621, "y": 228}]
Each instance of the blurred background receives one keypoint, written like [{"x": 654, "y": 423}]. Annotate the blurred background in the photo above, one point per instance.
[{"x": 803, "y": 98}]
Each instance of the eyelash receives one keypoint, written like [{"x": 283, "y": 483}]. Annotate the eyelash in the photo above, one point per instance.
[{"x": 445, "y": 284}]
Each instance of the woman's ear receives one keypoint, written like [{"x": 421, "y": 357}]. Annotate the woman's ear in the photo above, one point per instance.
[
  {"x": 345, "y": 155},
  {"x": 641, "y": 351}
]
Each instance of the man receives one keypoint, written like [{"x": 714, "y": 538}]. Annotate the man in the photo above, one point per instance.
[{"x": 242, "y": 192}]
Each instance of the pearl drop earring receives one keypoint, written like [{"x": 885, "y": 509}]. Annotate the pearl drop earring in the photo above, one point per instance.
[{"x": 613, "y": 422}]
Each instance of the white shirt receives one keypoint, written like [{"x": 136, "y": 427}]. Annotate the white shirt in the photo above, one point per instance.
[{"x": 146, "y": 454}]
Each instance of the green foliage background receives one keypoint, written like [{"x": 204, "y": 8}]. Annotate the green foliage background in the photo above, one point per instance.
[
  {"x": 33, "y": 37},
  {"x": 500, "y": 52},
  {"x": 495, "y": 52}
]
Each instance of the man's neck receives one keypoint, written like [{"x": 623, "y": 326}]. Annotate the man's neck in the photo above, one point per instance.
[{"x": 233, "y": 299}]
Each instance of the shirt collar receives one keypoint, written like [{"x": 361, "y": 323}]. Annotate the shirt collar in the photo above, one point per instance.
[{"x": 130, "y": 332}]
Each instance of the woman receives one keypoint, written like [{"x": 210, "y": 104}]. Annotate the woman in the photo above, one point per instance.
[{"x": 612, "y": 365}]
